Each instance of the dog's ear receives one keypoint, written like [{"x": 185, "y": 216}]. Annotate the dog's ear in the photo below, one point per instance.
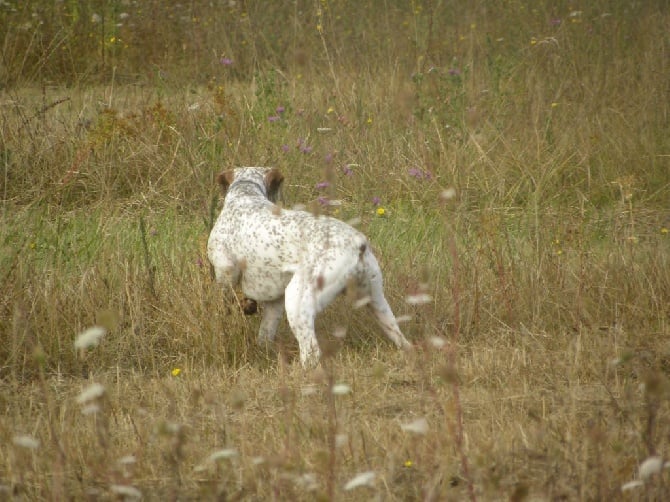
[
  {"x": 273, "y": 180},
  {"x": 225, "y": 179}
]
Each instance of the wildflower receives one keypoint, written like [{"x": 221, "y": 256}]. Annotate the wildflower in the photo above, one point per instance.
[
  {"x": 437, "y": 342},
  {"x": 340, "y": 389},
  {"x": 222, "y": 454},
  {"x": 90, "y": 337},
  {"x": 280, "y": 109},
  {"x": 127, "y": 492},
  {"x": 328, "y": 158},
  {"x": 285, "y": 148},
  {"x": 127, "y": 460},
  {"x": 631, "y": 484},
  {"x": 93, "y": 391},
  {"x": 554, "y": 104},
  {"x": 96, "y": 18},
  {"x": 418, "y": 299},
  {"x": 418, "y": 426},
  {"x": 447, "y": 194},
  {"x": 25, "y": 441},
  {"x": 273, "y": 118},
  {"x": 419, "y": 174},
  {"x": 226, "y": 61},
  {"x": 324, "y": 201},
  {"x": 330, "y": 110},
  {"x": 652, "y": 465},
  {"x": 376, "y": 201},
  {"x": 322, "y": 185},
  {"x": 176, "y": 372},
  {"x": 347, "y": 170},
  {"x": 369, "y": 121},
  {"x": 454, "y": 72},
  {"x": 363, "y": 479},
  {"x": 380, "y": 211},
  {"x": 664, "y": 231},
  {"x": 408, "y": 463},
  {"x": 555, "y": 21}
]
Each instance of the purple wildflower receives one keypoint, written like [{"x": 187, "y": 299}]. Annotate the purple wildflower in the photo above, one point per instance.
[
  {"x": 305, "y": 149},
  {"x": 454, "y": 72},
  {"x": 324, "y": 201},
  {"x": 347, "y": 170},
  {"x": 419, "y": 174},
  {"x": 321, "y": 185},
  {"x": 376, "y": 201},
  {"x": 285, "y": 148},
  {"x": 273, "y": 118},
  {"x": 226, "y": 61},
  {"x": 280, "y": 110},
  {"x": 328, "y": 158}
]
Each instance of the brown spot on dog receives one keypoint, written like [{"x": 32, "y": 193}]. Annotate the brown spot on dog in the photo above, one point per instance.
[
  {"x": 273, "y": 180},
  {"x": 249, "y": 306},
  {"x": 225, "y": 179}
]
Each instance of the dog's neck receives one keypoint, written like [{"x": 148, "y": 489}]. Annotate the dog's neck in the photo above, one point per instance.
[{"x": 248, "y": 188}]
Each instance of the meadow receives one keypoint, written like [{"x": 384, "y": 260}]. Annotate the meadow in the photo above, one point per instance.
[{"x": 510, "y": 163}]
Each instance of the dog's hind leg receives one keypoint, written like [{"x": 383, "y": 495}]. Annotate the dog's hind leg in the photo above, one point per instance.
[
  {"x": 272, "y": 314},
  {"x": 301, "y": 312},
  {"x": 380, "y": 306}
]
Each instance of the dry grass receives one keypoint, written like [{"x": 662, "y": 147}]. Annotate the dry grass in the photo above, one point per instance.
[{"x": 541, "y": 362}]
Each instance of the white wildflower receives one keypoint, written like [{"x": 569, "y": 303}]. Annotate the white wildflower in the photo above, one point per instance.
[
  {"x": 90, "y": 409},
  {"x": 652, "y": 465},
  {"x": 306, "y": 481},
  {"x": 93, "y": 391},
  {"x": 90, "y": 337},
  {"x": 127, "y": 460},
  {"x": 341, "y": 389},
  {"x": 223, "y": 454},
  {"x": 631, "y": 485},
  {"x": 366, "y": 478},
  {"x": 128, "y": 492},
  {"x": 447, "y": 194},
  {"x": 309, "y": 389},
  {"x": 437, "y": 342},
  {"x": 341, "y": 440},
  {"x": 26, "y": 441},
  {"x": 419, "y": 299},
  {"x": 418, "y": 426}
]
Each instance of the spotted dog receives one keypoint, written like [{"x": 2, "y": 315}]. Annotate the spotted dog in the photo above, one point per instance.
[{"x": 291, "y": 260}]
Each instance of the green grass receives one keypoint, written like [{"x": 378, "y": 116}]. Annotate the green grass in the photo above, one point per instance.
[{"x": 549, "y": 270}]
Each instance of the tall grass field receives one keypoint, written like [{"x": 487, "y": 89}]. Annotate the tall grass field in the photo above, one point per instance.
[{"x": 509, "y": 162}]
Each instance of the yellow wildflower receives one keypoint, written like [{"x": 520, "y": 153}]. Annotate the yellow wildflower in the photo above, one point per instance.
[
  {"x": 381, "y": 211},
  {"x": 176, "y": 372}
]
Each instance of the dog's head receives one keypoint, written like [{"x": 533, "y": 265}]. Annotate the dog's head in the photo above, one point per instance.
[{"x": 267, "y": 179}]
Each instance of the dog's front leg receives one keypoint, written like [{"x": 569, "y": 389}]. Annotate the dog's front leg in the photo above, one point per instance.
[{"x": 272, "y": 314}]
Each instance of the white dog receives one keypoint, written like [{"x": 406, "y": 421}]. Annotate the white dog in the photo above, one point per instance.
[{"x": 292, "y": 259}]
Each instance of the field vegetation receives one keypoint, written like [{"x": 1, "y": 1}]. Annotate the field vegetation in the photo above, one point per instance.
[{"x": 510, "y": 163}]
